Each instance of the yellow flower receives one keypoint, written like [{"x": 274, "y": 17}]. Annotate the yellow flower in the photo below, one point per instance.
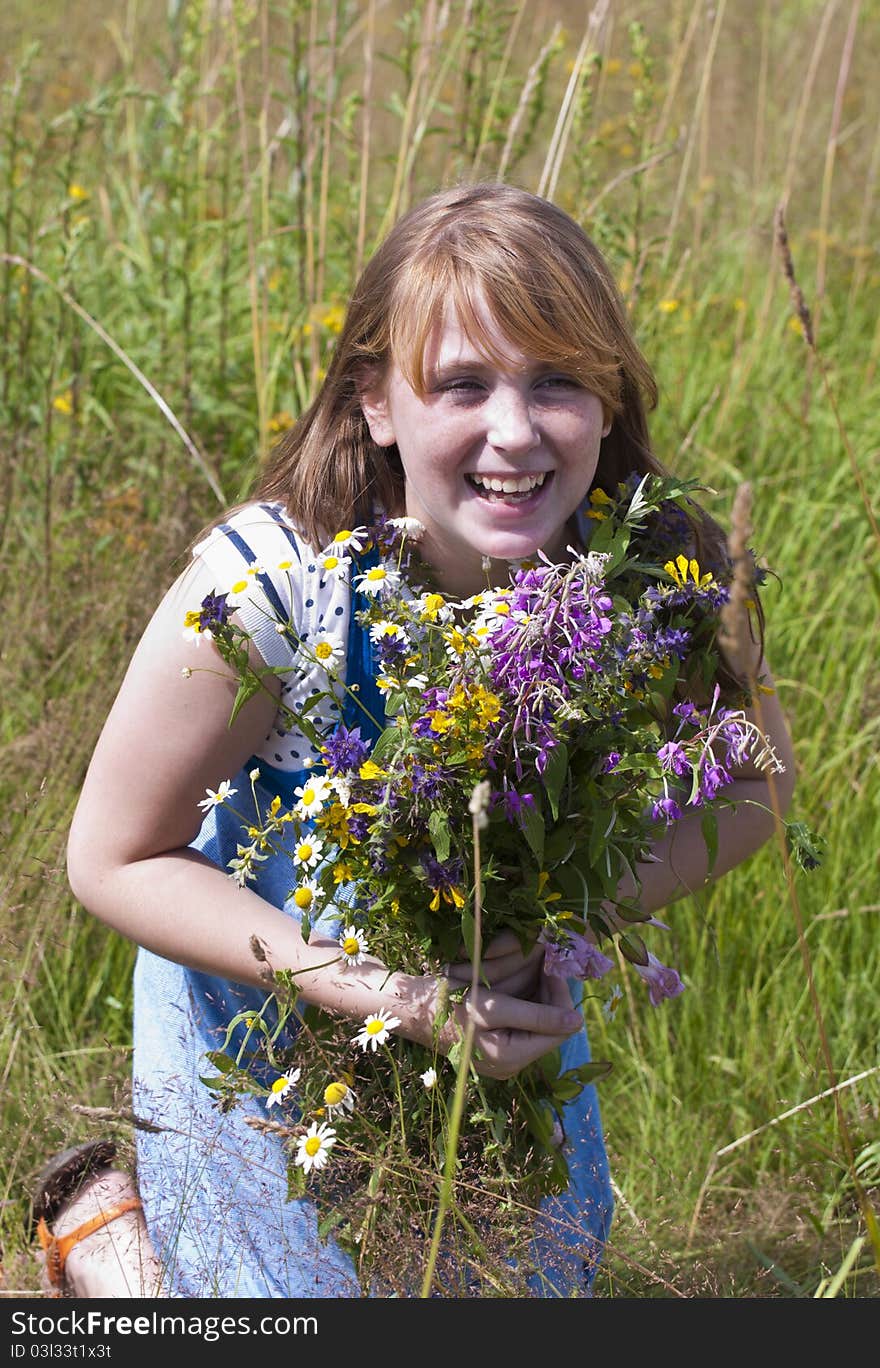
[
  {"x": 431, "y": 606},
  {"x": 370, "y": 770},
  {"x": 668, "y": 306},
  {"x": 77, "y": 192},
  {"x": 613, "y": 66},
  {"x": 280, "y": 422},
  {"x": 682, "y": 570},
  {"x": 449, "y": 895},
  {"x": 63, "y": 403},
  {"x": 333, "y": 318}
]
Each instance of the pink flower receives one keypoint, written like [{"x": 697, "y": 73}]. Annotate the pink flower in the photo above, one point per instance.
[
  {"x": 663, "y": 982},
  {"x": 580, "y": 959}
]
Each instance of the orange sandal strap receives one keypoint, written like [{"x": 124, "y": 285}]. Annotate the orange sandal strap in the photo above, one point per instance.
[{"x": 57, "y": 1249}]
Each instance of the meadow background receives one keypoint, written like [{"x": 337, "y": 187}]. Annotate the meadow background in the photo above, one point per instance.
[{"x": 187, "y": 191}]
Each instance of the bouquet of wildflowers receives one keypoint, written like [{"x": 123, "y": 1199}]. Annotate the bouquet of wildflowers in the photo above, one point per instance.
[{"x": 536, "y": 739}]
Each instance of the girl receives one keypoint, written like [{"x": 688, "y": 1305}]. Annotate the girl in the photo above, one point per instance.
[{"x": 486, "y": 381}]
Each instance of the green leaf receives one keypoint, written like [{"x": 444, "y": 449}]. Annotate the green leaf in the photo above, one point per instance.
[
  {"x": 633, "y": 948},
  {"x": 386, "y": 741},
  {"x": 709, "y": 828},
  {"x": 296, "y": 1182},
  {"x": 223, "y": 1062},
  {"x": 246, "y": 689},
  {"x": 438, "y": 825},
  {"x": 330, "y": 1220},
  {"x": 533, "y": 826},
  {"x": 601, "y": 827},
  {"x": 468, "y": 930},
  {"x": 554, "y": 776}
]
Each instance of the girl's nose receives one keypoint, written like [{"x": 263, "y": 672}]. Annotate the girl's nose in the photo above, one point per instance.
[{"x": 511, "y": 426}]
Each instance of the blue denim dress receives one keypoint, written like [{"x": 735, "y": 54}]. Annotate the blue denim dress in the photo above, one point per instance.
[{"x": 214, "y": 1189}]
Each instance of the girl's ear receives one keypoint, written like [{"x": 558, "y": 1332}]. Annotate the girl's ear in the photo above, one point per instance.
[
  {"x": 374, "y": 406},
  {"x": 607, "y": 420}
]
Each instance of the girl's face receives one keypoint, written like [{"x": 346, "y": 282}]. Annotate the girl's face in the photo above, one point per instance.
[{"x": 497, "y": 457}]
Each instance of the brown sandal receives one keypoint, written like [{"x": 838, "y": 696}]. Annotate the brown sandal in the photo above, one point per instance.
[{"x": 60, "y": 1181}]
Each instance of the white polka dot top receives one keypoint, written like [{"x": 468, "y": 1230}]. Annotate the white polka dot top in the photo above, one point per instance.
[{"x": 271, "y": 574}]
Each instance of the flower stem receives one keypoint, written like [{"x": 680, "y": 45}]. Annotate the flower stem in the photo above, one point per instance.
[{"x": 464, "y": 1065}]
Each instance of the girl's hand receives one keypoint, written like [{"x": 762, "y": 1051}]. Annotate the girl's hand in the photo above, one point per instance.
[
  {"x": 503, "y": 967},
  {"x": 512, "y": 1032}
]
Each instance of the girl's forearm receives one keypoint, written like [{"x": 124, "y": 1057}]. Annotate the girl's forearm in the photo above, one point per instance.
[
  {"x": 181, "y": 906},
  {"x": 681, "y": 860}
]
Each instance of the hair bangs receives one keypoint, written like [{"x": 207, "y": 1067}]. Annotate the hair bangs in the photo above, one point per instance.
[{"x": 550, "y": 320}]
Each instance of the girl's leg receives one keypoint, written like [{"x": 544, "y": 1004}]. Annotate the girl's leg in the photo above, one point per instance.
[
  {"x": 92, "y": 1230},
  {"x": 117, "y": 1260}
]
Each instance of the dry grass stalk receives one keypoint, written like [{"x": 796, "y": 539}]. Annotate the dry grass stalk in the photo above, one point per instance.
[{"x": 735, "y": 611}]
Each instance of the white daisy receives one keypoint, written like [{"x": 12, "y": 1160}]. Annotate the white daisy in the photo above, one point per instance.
[
  {"x": 307, "y": 895},
  {"x": 383, "y": 629},
  {"x": 433, "y": 608},
  {"x": 379, "y": 579},
  {"x": 312, "y": 797},
  {"x": 282, "y": 1086},
  {"x": 339, "y": 1096},
  {"x": 193, "y": 632},
  {"x": 313, "y": 1148},
  {"x": 353, "y": 944},
  {"x": 307, "y": 852},
  {"x": 347, "y": 541},
  {"x": 215, "y": 799},
  {"x": 328, "y": 652},
  {"x": 410, "y": 527},
  {"x": 376, "y": 1029},
  {"x": 330, "y": 563},
  {"x": 429, "y": 1077}
]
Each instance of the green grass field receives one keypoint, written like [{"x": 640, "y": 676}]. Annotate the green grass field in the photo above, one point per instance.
[{"x": 184, "y": 203}]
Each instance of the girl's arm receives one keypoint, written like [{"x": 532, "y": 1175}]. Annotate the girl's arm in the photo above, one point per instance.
[{"x": 166, "y": 740}]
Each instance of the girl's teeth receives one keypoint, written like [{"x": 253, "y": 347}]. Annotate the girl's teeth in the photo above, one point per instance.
[{"x": 522, "y": 486}]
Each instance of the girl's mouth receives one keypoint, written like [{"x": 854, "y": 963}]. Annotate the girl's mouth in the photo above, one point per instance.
[{"x": 508, "y": 489}]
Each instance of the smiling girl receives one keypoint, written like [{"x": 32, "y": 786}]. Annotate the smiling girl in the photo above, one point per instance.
[{"x": 485, "y": 383}]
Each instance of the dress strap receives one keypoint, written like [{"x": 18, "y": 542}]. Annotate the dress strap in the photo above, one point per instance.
[
  {"x": 367, "y": 708},
  {"x": 247, "y": 554}
]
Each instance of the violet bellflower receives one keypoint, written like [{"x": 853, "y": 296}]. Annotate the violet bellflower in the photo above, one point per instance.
[
  {"x": 663, "y": 981},
  {"x": 579, "y": 958}
]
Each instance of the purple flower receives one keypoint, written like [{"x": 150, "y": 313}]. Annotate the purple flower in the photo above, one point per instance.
[
  {"x": 663, "y": 981},
  {"x": 712, "y": 778},
  {"x": 214, "y": 612},
  {"x": 345, "y": 750},
  {"x": 580, "y": 959},
  {"x": 515, "y": 802},
  {"x": 611, "y": 761},
  {"x": 672, "y": 757},
  {"x": 665, "y": 809},
  {"x": 427, "y": 782},
  {"x": 687, "y": 712}
]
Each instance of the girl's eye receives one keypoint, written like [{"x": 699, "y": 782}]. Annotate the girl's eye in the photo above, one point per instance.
[
  {"x": 462, "y": 385},
  {"x": 559, "y": 382}
]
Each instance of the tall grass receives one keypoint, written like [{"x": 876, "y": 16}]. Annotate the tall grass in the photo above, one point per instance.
[{"x": 177, "y": 242}]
